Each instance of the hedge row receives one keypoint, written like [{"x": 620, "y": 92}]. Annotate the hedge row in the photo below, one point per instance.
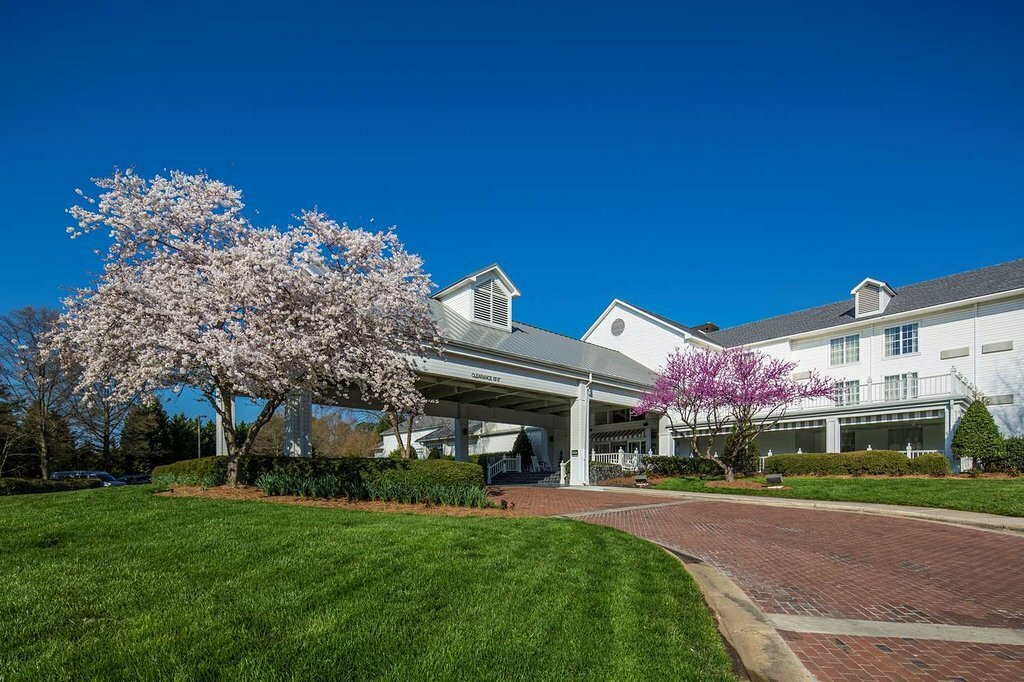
[
  {"x": 30, "y": 486},
  {"x": 666, "y": 465},
  {"x": 384, "y": 489},
  {"x": 211, "y": 471},
  {"x": 864, "y": 463}
]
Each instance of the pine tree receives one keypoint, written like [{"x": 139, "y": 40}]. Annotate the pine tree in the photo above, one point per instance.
[
  {"x": 978, "y": 437},
  {"x": 524, "y": 448},
  {"x": 145, "y": 438}
]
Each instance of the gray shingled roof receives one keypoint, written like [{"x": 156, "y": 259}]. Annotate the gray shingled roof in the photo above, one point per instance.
[
  {"x": 958, "y": 287},
  {"x": 536, "y": 344}
]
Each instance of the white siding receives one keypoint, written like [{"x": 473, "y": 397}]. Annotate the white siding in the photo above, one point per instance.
[
  {"x": 643, "y": 339},
  {"x": 460, "y": 302}
]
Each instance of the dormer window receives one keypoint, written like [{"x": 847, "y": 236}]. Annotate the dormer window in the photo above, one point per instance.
[
  {"x": 484, "y": 297},
  {"x": 491, "y": 303},
  {"x": 871, "y": 297}
]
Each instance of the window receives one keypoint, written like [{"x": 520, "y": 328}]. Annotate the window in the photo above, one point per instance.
[
  {"x": 900, "y": 438},
  {"x": 490, "y": 303},
  {"x": 848, "y": 441},
  {"x": 901, "y": 340},
  {"x": 849, "y": 393},
  {"x": 845, "y": 350},
  {"x": 901, "y": 386}
]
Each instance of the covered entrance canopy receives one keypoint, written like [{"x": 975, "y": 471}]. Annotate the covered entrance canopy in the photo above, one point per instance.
[{"x": 524, "y": 375}]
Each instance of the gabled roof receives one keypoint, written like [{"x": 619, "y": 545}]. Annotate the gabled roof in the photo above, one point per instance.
[
  {"x": 493, "y": 269},
  {"x": 962, "y": 286},
  {"x": 871, "y": 280},
  {"x": 534, "y": 344},
  {"x": 661, "y": 318}
]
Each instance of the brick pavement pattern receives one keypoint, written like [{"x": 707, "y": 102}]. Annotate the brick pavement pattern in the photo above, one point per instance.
[
  {"x": 867, "y": 659},
  {"x": 840, "y": 565},
  {"x": 844, "y": 565},
  {"x": 538, "y": 501}
]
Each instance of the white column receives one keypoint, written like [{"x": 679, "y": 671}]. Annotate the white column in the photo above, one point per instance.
[
  {"x": 579, "y": 437},
  {"x": 298, "y": 425},
  {"x": 222, "y": 442},
  {"x": 543, "y": 453},
  {"x": 666, "y": 446},
  {"x": 461, "y": 437},
  {"x": 950, "y": 418},
  {"x": 832, "y": 440}
]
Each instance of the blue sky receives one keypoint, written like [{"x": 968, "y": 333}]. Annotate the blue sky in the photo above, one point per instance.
[{"x": 720, "y": 161}]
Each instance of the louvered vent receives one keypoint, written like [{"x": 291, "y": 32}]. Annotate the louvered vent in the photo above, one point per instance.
[
  {"x": 491, "y": 303},
  {"x": 868, "y": 300}
]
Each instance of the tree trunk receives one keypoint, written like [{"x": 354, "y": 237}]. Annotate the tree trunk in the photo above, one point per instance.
[
  {"x": 408, "y": 440},
  {"x": 44, "y": 454},
  {"x": 233, "y": 459},
  {"x": 730, "y": 474}
]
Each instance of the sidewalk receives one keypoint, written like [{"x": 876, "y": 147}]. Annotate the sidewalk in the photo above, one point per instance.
[{"x": 953, "y": 516}]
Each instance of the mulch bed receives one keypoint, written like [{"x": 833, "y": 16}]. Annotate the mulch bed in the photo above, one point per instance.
[{"x": 250, "y": 493}]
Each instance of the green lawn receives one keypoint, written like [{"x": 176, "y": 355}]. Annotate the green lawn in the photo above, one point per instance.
[
  {"x": 119, "y": 583},
  {"x": 993, "y": 496}
]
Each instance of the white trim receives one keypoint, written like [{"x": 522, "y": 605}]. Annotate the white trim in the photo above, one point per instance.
[
  {"x": 871, "y": 280},
  {"x": 677, "y": 328},
  {"x": 474, "y": 277}
]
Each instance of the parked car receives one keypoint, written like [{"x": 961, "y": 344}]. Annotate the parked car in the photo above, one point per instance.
[
  {"x": 103, "y": 477},
  {"x": 136, "y": 479}
]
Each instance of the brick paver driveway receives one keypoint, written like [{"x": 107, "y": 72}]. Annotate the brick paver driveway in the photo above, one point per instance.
[{"x": 838, "y": 565}]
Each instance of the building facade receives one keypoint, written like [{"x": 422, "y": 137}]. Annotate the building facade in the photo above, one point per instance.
[{"x": 909, "y": 360}]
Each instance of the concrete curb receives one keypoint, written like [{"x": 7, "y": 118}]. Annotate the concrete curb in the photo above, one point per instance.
[
  {"x": 762, "y": 652},
  {"x": 990, "y": 522}
]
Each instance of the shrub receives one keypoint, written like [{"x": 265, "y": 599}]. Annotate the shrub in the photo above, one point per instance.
[
  {"x": 352, "y": 471},
  {"x": 1015, "y": 454},
  {"x": 864, "y": 463},
  {"x": 383, "y": 489},
  {"x": 978, "y": 436},
  {"x": 604, "y": 471},
  {"x": 930, "y": 464},
  {"x": 666, "y": 465},
  {"x": 203, "y": 471},
  {"x": 487, "y": 458},
  {"x": 31, "y": 486}
]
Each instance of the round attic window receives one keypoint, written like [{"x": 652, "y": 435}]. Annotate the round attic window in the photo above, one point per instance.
[{"x": 618, "y": 326}]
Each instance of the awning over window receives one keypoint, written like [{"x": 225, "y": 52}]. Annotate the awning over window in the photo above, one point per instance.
[
  {"x": 781, "y": 426},
  {"x": 609, "y": 436},
  {"x": 892, "y": 417}
]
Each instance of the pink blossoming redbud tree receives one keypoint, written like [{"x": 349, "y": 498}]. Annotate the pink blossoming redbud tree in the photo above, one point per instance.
[
  {"x": 193, "y": 294},
  {"x": 705, "y": 392}
]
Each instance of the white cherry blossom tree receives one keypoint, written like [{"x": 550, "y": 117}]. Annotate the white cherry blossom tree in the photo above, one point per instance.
[{"x": 193, "y": 294}]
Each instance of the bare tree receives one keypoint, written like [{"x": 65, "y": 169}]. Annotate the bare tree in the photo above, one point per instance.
[
  {"x": 33, "y": 378},
  {"x": 98, "y": 418}
]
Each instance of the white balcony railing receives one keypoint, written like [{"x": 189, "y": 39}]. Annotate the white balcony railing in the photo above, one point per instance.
[{"x": 902, "y": 388}]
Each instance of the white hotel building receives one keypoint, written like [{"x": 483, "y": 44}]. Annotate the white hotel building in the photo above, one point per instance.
[{"x": 911, "y": 358}]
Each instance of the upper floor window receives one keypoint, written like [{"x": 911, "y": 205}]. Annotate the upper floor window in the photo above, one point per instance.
[
  {"x": 901, "y": 386},
  {"x": 491, "y": 303},
  {"x": 849, "y": 393},
  {"x": 844, "y": 350},
  {"x": 901, "y": 340}
]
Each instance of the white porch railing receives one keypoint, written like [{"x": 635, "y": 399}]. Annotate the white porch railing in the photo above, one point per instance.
[
  {"x": 628, "y": 461},
  {"x": 966, "y": 464},
  {"x": 563, "y": 473},
  {"x": 914, "y": 454},
  {"x": 502, "y": 466}
]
